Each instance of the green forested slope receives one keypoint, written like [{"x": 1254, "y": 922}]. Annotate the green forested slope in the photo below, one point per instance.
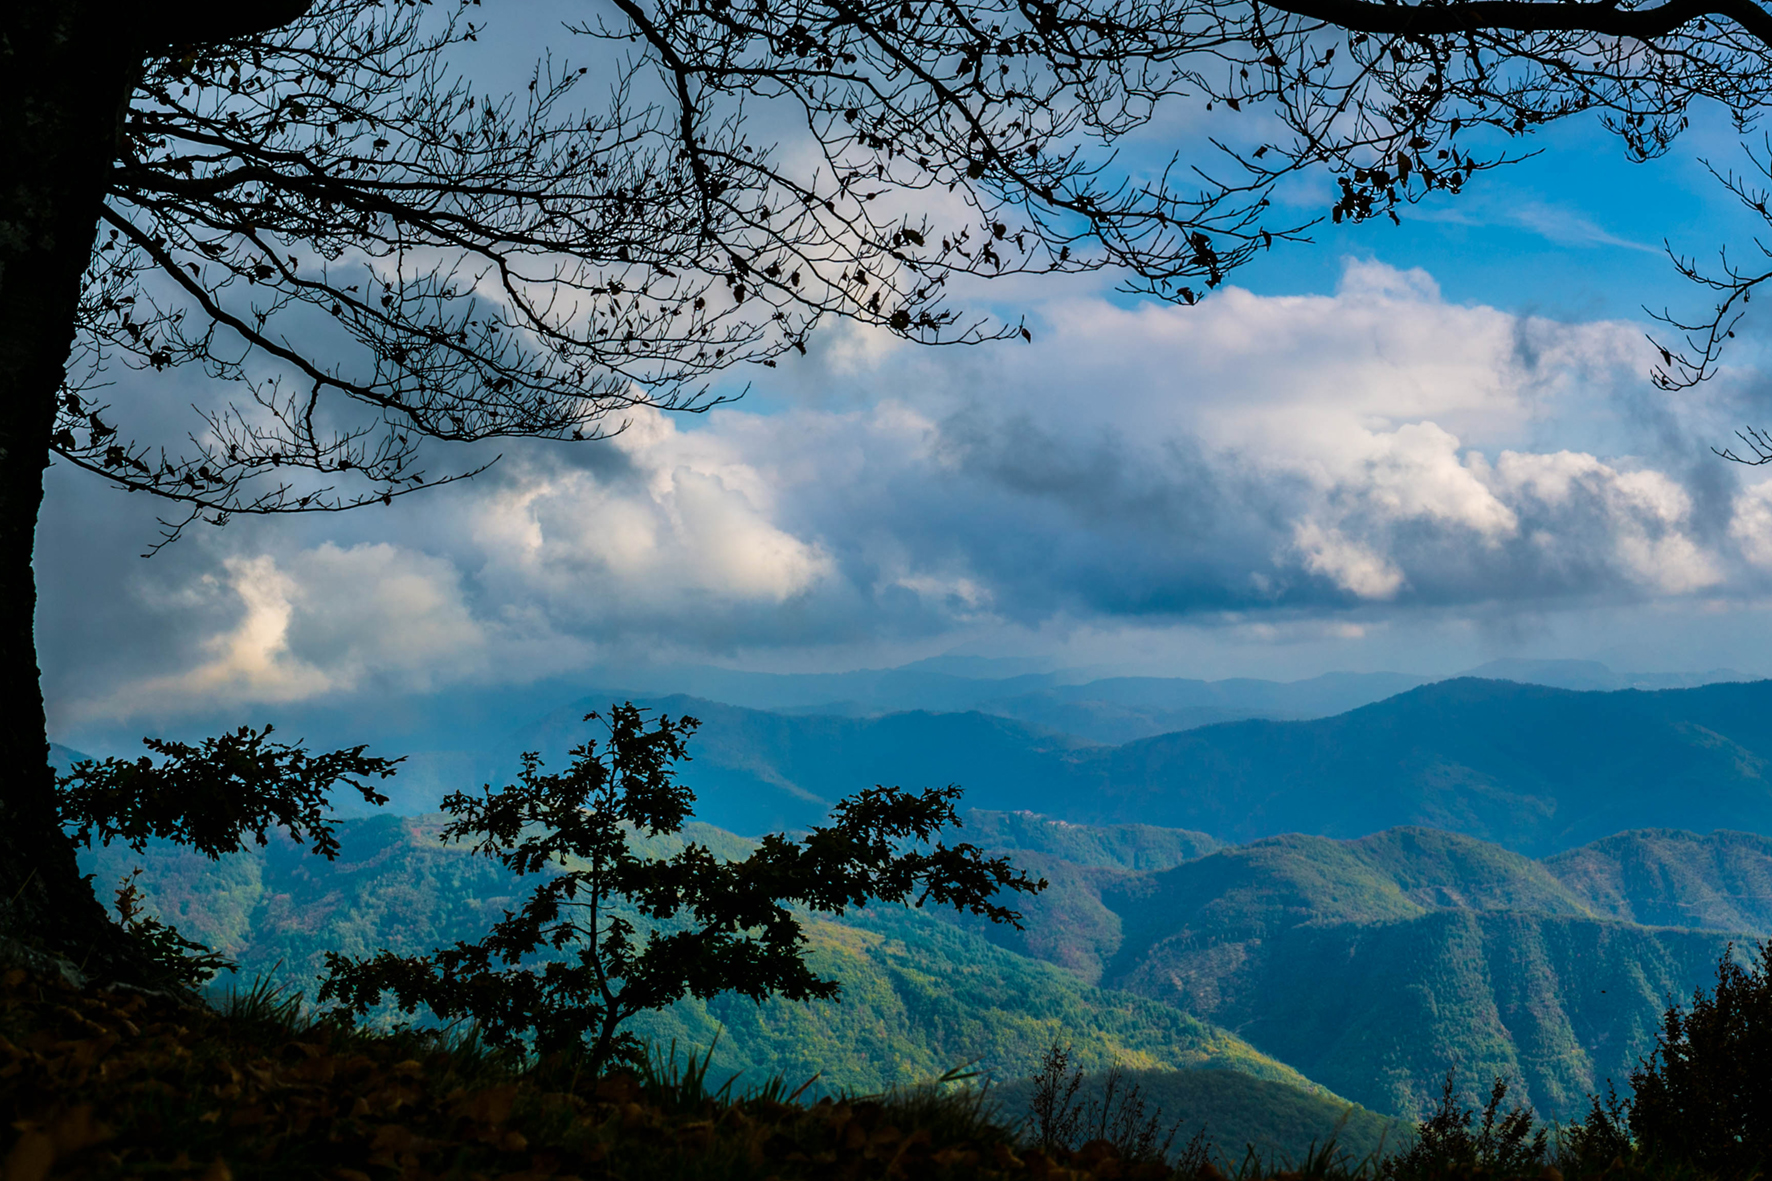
[
  {"x": 1239, "y": 1112},
  {"x": 1140, "y": 847},
  {"x": 1068, "y": 924},
  {"x": 1368, "y": 966},
  {"x": 920, "y": 996},
  {"x": 1666, "y": 877},
  {"x": 1371, "y": 965},
  {"x": 1371, "y": 1010}
]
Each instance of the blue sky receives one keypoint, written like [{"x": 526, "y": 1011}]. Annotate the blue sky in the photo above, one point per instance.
[{"x": 1413, "y": 448}]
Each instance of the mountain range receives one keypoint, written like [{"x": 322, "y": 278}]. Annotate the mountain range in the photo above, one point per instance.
[
  {"x": 1082, "y": 703},
  {"x": 920, "y": 996},
  {"x": 1360, "y": 969},
  {"x": 1532, "y": 768},
  {"x": 1487, "y": 874}
]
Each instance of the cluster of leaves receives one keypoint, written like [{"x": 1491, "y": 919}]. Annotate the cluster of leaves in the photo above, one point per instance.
[
  {"x": 1002, "y": 98},
  {"x": 330, "y": 213},
  {"x": 570, "y": 967},
  {"x": 210, "y": 797}
]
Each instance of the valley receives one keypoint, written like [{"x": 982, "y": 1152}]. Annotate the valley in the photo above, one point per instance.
[{"x": 1388, "y": 930}]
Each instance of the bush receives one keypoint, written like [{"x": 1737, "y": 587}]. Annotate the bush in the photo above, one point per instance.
[
  {"x": 185, "y": 963},
  {"x": 1595, "y": 1143},
  {"x": 1119, "y": 1115},
  {"x": 607, "y": 933},
  {"x": 1703, "y": 1097},
  {"x": 1505, "y": 1144}
]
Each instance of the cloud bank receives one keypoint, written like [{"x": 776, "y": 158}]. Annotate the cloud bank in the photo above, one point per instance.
[{"x": 1340, "y": 458}]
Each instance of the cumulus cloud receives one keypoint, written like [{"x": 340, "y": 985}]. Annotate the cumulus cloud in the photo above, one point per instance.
[
  {"x": 324, "y": 621},
  {"x": 1253, "y": 458},
  {"x": 685, "y": 524},
  {"x": 1750, "y": 526}
]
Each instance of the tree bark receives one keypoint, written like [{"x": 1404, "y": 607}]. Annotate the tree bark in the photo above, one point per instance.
[
  {"x": 66, "y": 74},
  {"x": 67, "y": 71}
]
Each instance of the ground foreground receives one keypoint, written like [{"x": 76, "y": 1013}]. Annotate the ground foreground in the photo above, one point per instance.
[{"x": 107, "y": 1083}]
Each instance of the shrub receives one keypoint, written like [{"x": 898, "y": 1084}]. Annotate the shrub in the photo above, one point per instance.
[
  {"x": 1702, "y": 1097},
  {"x": 1507, "y": 1144},
  {"x": 1594, "y": 1143},
  {"x": 186, "y": 963},
  {"x": 1119, "y": 1114},
  {"x": 607, "y": 933}
]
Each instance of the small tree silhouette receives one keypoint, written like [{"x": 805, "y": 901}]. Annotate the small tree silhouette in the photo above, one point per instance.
[
  {"x": 1702, "y": 1096},
  {"x": 1591, "y": 1144},
  {"x": 1505, "y": 1144},
  {"x": 709, "y": 926},
  {"x": 1119, "y": 1115}
]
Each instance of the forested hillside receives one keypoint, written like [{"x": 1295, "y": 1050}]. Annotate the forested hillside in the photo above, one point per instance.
[
  {"x": 1360, "y": 968},
  {"x": 921, "y": 996},
  {"x": 1671, "y": 878},
  {"x": 1371, "y": 965}
]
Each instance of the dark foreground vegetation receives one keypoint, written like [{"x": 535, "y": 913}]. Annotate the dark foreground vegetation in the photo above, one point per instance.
[
  {"x": 109, "y": 1082},
  {"x": 122, "y": 1083}
]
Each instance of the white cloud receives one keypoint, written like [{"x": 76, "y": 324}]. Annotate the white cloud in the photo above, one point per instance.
[
  {"x": 1751, "y": 524},
  {"x": 1255, "y": 458},
  {"x": 1644, "y": 515},
  {"x": 1350, "y": 565},
  {"x": 688, "y": 522},
  {"x": 327, "y": 620}
]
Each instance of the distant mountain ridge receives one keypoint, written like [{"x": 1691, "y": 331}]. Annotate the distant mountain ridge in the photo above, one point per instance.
[
  {"x": 1532, "y": 768},
  {"x": 1592, "y": 675},
  {"x": 455, "y": 726},
  {"x": 1535, "y": 769}
]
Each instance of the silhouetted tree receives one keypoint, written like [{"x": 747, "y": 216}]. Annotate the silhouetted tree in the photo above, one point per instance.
[
  {"x": 212, "y": 797},
  {"x": 621, "y": 932},
  {"x": 1115, "y": 1110},
  {"x": 306, "y": 200},
  {"x": 304, "y": 197},
  {"x": 1701, "y": 1097},
  {"x": 1455, "y": 1138}
]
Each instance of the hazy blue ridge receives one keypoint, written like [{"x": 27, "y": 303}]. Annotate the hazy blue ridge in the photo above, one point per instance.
[
  {"x": 1535, "y": 769},
  {"x": 1532, "y": 768}
]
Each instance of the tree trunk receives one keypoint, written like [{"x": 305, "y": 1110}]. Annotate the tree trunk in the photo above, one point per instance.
[{"x": 66, "y": 73}]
